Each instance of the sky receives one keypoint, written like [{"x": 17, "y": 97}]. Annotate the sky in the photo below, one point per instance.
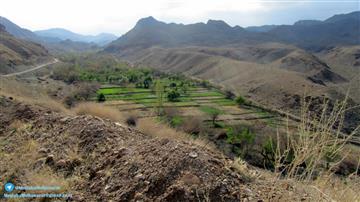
[{"x": 119, "y": 16}]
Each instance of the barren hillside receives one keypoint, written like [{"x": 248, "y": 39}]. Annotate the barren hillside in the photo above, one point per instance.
[
  {"x": 265, "y": 71},
  {"x": 15, "y": 52}
]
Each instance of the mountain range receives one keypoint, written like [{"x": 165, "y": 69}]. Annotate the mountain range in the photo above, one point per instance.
[
  {"x": 55, "y": 35},
  {"x": 309, "y": 34},
  {"x": 63, "y": 34}
]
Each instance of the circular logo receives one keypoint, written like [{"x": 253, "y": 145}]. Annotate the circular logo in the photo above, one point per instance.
[{"x": 9, "y": 187}]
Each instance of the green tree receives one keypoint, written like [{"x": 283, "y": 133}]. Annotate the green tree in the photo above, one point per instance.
[
  {"x": 184, "y": 87},
  {"x": 229, "y": 95},
  {"x": 212, "y": 112},
  {"x": 101, "y": 97},
  {"x": 159, "y": 90},
  {"x": 245, "y": 138},
  {"x": 172, "y": 85},
  {"x": 147, "y": 82},
  {"x": 240, "y": 100},
  {"x": 173, "y": 95},
  {"x": 269, "y": 153}
]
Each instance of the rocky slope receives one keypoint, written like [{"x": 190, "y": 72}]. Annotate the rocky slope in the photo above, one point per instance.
[
  {"x": 101, "y": 160},
  {"x": 15, "y": 51}
]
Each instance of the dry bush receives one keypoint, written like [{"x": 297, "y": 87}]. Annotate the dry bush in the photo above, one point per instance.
[
  {"x": 316, "y": 145},
  {"x": 192, "y": 125},
  {"x": 152, "y": 128},
  {"x": 171, "y": 112},
  {"x": 82, "y": 92},
  {"x": 99, "y": 110},
  {"x": 311, "y": 153},
  {"x": 243, "y": 169},
  {"x": 334, "y": 188}
]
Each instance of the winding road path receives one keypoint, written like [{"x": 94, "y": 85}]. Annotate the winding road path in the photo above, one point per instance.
[{"x": 32, "y": 69}]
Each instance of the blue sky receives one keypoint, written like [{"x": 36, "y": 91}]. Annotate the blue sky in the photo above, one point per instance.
[{"x": 119, "y": 16}]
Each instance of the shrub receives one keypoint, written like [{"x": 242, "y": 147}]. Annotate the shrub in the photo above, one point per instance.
[
  {"x": 192, "y": 125},
  {"x": 86, "y": 90},
  {"x": 229, "y": 95},
  {"x": 159, "y": 89},
  {"x": 170, "y": 112},
  {"x": 131, "y": 121},
  {"x": 314, "y": 147},
  {"x": 268, "y": 152},
  {"x": 139, "y": 85},
  {"x": 173, "y": 95},
  {"x": 212, "y": 112},
  {"x": 184, "y": 87},
  {"x": 240, "y": 137},
  {"x": 101, "y": 97},
  {"x": 70, "y": 101},
  {"x": 172, "y": 85},
  {"x": 240, "y": 100},
  {"x": 176, "y": 121},
  {"x": 147, "y": 82}
]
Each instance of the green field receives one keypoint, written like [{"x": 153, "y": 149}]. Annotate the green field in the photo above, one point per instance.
[{"x": 147, "y": 97}]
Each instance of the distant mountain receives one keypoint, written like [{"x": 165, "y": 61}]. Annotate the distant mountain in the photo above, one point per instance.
[
  {"x": 150, "y": 32},
  {"x": 309, "y": 34},
  {"x": 15, "y": 51},
  {"x": 17, "y": 31},
  {"x": 263, "y": 28},
  {"x": 350, "y": 16},
  {"x": 307, "y": 22},
  {"x": 317, "y": 35},
  {"x": 71, "y": 46},
  {"x": 63, "y": 34}
]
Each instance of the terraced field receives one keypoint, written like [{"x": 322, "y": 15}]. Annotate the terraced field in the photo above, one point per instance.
[{"x": 144, "y": 101}]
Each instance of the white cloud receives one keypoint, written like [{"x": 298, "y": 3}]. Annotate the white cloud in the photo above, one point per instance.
[{"x": 118, "y": 16}]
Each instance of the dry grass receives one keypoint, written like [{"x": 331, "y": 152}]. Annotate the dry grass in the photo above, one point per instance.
[
  {"x": 99, "y": 110},
  {"x": 33, "y": 95},
  {"x": 16, "y": 164},
  {"x": 334, "y": 188},
  {"x": 46, "y": 177},
  {"x": 243, "y": 169},
  {"x": 153, "y": 128},
  {"x": 147, "y": 126}
]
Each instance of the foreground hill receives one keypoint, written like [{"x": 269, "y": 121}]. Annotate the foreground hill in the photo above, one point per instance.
[
  {"x": 99, "y": 160},
  {"x": 15, "y": 52}
]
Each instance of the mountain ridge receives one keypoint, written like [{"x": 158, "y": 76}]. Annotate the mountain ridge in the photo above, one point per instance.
[
  {"x": 309, "y": 34},
  {"x": 64, "y": 34}
]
